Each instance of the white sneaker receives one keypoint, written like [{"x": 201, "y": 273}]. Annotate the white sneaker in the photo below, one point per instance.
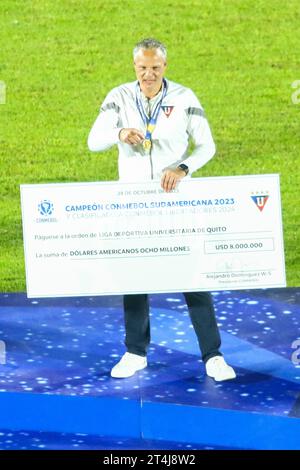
[
  {"x": 217, "y": 368},
  {"x": 128, "y": 366}
]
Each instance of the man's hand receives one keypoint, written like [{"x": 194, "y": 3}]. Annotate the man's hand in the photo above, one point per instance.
[
  {"x": 170, "y": 179},
  {"x": 131, "y": 136}
]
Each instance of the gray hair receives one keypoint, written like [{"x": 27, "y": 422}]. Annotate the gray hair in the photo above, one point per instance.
[{"x": 150, "y": 43}]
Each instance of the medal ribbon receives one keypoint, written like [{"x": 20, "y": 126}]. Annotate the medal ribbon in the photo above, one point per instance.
[{"x": 150, "y": 122}]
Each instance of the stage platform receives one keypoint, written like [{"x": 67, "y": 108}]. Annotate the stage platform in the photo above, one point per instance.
[{"x": 56, "y": 391}]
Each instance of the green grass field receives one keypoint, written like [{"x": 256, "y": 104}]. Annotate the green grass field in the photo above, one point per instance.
[{"x": 59, "y": 58}]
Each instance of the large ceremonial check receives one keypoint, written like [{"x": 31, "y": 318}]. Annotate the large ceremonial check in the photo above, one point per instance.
[{"x": 116, "y": 238}]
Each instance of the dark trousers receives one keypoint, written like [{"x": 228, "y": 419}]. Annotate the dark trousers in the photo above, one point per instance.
[{"x": 202, "y": 314}]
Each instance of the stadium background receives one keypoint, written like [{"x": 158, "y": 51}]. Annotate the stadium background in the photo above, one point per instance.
[{"x": 59, "y": 58}]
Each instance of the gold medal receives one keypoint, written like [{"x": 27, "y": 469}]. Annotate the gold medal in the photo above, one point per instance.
[{"x": 147, "y": 144}]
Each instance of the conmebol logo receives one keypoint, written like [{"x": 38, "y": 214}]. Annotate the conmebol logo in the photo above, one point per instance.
[{"x": 45, "y": 207}]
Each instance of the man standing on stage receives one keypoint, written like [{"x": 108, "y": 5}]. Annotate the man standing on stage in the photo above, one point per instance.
[{"x": 152, "y": 120}]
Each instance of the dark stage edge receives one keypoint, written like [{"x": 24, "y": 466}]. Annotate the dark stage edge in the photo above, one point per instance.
[{"x": 59, "y": 353}]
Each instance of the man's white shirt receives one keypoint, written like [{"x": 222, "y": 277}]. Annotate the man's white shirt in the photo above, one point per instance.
[{"x": 180, "y": 119}]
